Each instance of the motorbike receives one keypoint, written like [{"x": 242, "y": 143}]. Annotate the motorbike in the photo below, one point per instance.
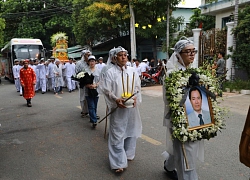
[{"x": 153, "y": 77}]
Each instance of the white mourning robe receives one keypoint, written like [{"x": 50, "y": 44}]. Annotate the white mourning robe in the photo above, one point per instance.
[
  {"x": 174, "y": 152},
  {"x": 125, "y": 124},
  {"x": 70, "y": 71},
  {"x": 58, "y": 75},
  {"x": 20, "y": 86},
  {"x": 51, "y": 76},
  {"x": 81, "y": 66},
  {"x": 16, "y": 76},
  {"x": 37, "y": 78},
  {"x": 42, "y": 76}
]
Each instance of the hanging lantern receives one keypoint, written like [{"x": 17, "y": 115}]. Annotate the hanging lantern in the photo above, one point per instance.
[
  {"x": 136, "y": 25},
  {"x": 159, "y": 19},
  {"x": 144, "y": 27},
  {"x": 149, "y": 25}
]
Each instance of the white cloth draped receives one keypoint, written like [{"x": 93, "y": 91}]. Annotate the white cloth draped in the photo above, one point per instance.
[
  {"x": 125, "y": 123},
  {"x": 58, "y": 75},
  {"x": 173, "y": 147}
]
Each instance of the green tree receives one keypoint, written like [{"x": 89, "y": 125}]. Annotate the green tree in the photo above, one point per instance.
[
  {"x": 37, "y": 19},
  {"x": 2, "y": 27},
  {"x": 197, "y": 19},
  {"x": 240, "y": 55},
  {"x": 101, "y": 21},
  {"x": 107, "y": 19},
  {"x": 147, "y": 13}
]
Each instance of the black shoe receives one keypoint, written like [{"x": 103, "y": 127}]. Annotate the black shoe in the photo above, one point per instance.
[
  {"x": 94, "y": 125},
  {"x": 171, "y": 174},
  {"x": 84, "y": 115},
  {"x": 97, "y": 117}
]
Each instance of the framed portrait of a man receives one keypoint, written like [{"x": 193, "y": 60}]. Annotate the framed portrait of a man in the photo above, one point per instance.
[{"x": 198, "y": 109}]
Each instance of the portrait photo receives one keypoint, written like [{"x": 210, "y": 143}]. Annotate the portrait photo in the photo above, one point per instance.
[{"x": 198, "y": 108}]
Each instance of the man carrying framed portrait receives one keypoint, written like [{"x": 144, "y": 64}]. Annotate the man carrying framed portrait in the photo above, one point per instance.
[{"x": 191, "y": 113}]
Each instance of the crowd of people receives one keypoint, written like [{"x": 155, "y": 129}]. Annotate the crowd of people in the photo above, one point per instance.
[{"x": 119, "y": 81}]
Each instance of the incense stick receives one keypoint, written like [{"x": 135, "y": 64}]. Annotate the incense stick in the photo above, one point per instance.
[
  {"x": 123, "y": 85},
  {"x": 127, "y": 83},
  {"x": 132, "y": 90}
]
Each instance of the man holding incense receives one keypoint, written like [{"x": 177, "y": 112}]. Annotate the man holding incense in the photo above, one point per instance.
[{"x": 122, "y": 82}]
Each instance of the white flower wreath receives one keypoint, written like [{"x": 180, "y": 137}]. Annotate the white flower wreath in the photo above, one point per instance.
[{"x": 175, "y": 84}]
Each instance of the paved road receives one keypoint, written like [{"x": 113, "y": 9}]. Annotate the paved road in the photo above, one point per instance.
[{"x": 50, "y": 141}]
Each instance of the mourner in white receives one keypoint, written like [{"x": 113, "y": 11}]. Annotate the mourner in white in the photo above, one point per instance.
[
  {"x": 51, "y": 75},
  {"x": 70, "y": 71},
  {"x": 100, "y": 64},
  {"x": 58, "y": 77},
  {"x": 42, "y": 75},
  {"x": 181, "y": 59},
  {"x": 37, "y": 76},
  {"x": 137, "y": 66},
  {"x": 119, "y": 82},
  {"x": 20, "y": 66},
  {"x": 16, "y": 74},
  {"x": 80, "y": 67}
]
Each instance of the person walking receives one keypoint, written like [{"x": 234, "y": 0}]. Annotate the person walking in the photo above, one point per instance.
[
  {"x": 181, "y": 59},
  {"x": 100, "y": 64},
  {"x": 119, "y": 82},
  {"x": 42, "y": 75},
  {"x": 28, "y": 82},
  {"x": 20, "y": 66},
  {"x": 50, "y": 75},
  {"x": 58, "y": 77},
  {"x": 70, "y": 71},
  {"x": 80, "y": 67},
  {"x": 16, "y": 75},
  {"x": 220, "y": 70},
  {"x": 91, "y": 93}
]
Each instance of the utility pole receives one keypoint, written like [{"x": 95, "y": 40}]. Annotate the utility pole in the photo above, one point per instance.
[
  {"x": 236, "y": 9},
  {"x": 132, "y": 32},
  {"x": 167, "y": 33}
]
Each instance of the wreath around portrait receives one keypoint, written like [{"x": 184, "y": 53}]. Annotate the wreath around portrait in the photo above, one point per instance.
[{"x": 175, "y": 86}]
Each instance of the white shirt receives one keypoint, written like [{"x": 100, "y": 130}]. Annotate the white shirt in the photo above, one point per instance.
[
  {"x": 144, "y": 67},
  {"x": 138, "y": 69},
  {"x": 42, "y": 70},
  {"x": 128, "y": 64},
  {"x": 69, "y": 69},
  {"x": 50, "y": 72},
  {"x": 99, "y": 66},
  {"x": 15, "y": 71}
]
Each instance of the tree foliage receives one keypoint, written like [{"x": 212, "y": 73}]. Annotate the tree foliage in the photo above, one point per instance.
[
  {"x": 2, "y": 27},
  {"x": 100, "y": 21},
  {"x": 207, "y": 22},
  {"x": 36, "y": 19},
  {"x": 242, "y": 33}
]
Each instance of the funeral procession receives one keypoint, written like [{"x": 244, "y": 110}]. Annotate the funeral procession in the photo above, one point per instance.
[{"x": 124, "y": 90}]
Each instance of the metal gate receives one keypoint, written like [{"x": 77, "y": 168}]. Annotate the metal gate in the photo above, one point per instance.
[{"x": 211, "y": 42}]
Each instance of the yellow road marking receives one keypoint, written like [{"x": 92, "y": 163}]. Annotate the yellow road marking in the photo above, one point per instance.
[
  {"x": 150, "y": 140},
  {"x": 144, "y": 137}
]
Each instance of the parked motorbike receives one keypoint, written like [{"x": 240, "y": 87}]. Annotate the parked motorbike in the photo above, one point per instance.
[{"x": 153, "y": 77}]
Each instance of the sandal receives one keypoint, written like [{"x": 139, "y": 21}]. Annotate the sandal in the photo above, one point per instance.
[{"x": 120, "y": 170}]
